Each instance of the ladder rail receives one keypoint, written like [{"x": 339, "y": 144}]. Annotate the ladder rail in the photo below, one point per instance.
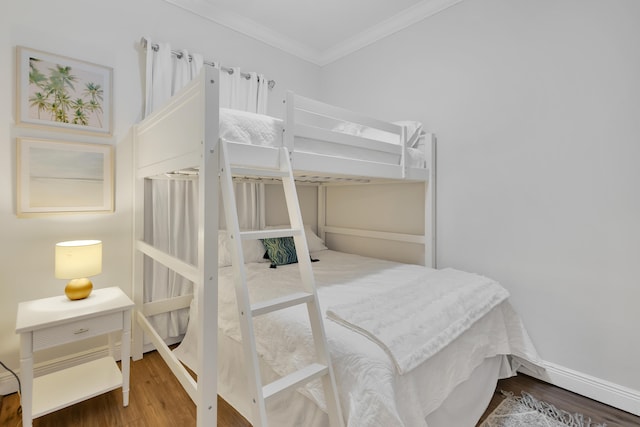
[
  {"x": 321, "y": 368},
  {"x": 258, "y": 406},
  {"x": 308, "y": 281}
]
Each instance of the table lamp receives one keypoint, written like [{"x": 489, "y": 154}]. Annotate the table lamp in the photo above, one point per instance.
[{"x": 76, "y": 260}]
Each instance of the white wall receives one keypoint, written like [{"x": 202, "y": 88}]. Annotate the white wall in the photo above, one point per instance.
[
  {"x": 536, "y": 105},
  {"x": 276, "y": 204},
  {"x": 106, "y": 33},
  {"x": 389, "y": 208}
]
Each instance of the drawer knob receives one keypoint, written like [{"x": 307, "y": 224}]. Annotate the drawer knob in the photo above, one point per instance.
[{"x": 80, "y": 331}]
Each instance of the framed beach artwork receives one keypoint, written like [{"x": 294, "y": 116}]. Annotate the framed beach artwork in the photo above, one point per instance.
[
  {"x": 64, "y": 93},
  {"x": 56, "y": 177}
]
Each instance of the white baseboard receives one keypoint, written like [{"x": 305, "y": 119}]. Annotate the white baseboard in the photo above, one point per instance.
[
  {"x": 8, "y": 383},
  {"x": 615, "y": 395}
]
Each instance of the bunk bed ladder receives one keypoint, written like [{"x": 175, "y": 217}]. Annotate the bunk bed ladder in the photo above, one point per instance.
[{"x": 247, "y": 311}]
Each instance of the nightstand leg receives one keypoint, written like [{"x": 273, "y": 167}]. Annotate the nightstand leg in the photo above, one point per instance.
[
  {"x": 125, "y": 356},
  {"x": 26, "y": 377}
]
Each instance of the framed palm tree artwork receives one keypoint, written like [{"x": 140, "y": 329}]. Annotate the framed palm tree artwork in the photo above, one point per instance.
[{"x": 64, "y": 93}]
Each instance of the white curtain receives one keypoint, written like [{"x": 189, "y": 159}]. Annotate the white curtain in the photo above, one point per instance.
[
  {"x": 263, "y": 94},
  {"x": 230, "y": 88},
  {"x": 243, "y": 91},
  {"x": 158, "y": 80},
  {"x": 171, "y": 218},
  {"x": 247, "y": 92}
]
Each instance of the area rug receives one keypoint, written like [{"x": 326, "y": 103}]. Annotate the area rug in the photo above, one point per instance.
[{"x": 527, "y": 411}]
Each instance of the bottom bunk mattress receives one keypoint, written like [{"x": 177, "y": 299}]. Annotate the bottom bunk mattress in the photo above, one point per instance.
[{"x": 374, "y": 388}]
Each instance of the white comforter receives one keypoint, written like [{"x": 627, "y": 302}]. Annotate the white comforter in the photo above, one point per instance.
[
  {"x": 412, "y": 322},
  {"x": 371, "y": 390}
]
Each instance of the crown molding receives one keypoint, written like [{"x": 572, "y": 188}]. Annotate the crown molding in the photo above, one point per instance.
[
  {"x": 249, "y": 27},
  {"x": 398, "y": 22}
]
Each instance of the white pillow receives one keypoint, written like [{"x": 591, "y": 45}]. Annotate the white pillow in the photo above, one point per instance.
[
  {"x": 249, "y": 128},
  {"x": 252, "y": 250},
  {"x": 413, "y": 130},
  {"x": 314, "y": 242},
  {"x": 349, "y": 128},
  {"x": 380, "y": 135}
]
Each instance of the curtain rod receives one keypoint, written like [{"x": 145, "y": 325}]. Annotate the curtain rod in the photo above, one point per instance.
[{"x": 155, "y": 47}]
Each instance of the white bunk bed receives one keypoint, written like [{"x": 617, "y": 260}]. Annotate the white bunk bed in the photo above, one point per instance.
[{"x": 184, "y": 136}]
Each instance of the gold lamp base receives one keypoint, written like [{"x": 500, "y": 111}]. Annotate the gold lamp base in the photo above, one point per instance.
[{"x": 78, "y": 288}]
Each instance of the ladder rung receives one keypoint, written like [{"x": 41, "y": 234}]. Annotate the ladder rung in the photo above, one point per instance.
[
  {"x": 279, "y": 303},
  {"x": 270, "y": 234},
  {"x": 271, "y": 173},
  {"x": 294, "y": 380}
]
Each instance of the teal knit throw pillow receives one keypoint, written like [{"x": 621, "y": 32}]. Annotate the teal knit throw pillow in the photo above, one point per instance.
[{"x": 280, "y": 250}]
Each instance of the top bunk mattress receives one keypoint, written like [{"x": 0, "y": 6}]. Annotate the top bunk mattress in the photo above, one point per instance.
[{"x": 258, "y": 129}]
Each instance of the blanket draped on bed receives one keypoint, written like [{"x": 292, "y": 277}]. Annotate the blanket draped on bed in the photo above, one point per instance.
[{"x": 414, "y": 321}]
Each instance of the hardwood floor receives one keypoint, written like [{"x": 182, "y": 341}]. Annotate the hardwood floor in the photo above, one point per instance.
[{"x": 157, "y": 399}]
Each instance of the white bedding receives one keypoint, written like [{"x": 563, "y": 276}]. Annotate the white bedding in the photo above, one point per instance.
[
  {"x": 372, "y": 393},
  {"x": 250, "y": 128},
  {"x": 414, "y": 321},
  {"x": 259, "y": 129}
]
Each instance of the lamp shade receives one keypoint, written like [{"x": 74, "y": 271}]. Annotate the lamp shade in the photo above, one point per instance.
[{"x": 78, "y": 258}]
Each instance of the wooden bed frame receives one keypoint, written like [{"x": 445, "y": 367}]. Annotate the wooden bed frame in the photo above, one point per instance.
[{"x": 184, "y": 135}]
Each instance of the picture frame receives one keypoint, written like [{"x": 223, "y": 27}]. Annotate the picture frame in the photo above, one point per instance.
[
  {"x": 60, "y": 177},
  {"x": 63, "y": 93}
]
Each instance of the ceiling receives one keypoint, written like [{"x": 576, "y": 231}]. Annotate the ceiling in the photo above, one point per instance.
[{"x": 319, "y": 31}]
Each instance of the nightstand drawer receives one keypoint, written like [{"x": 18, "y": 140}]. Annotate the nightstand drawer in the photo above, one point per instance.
[{"x": 78, "y": 330}]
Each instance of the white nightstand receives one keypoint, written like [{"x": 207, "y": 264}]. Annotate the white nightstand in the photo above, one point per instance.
[{"x": 54, "y": 321}]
